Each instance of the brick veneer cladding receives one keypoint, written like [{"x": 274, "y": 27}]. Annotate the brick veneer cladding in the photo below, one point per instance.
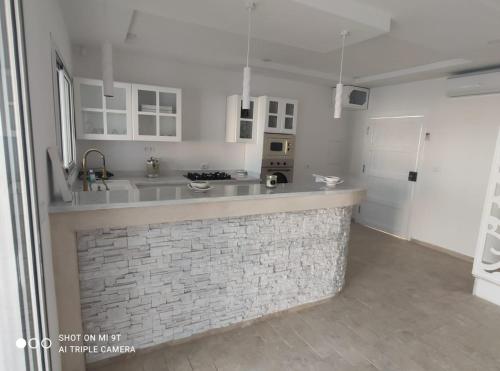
[{"x": 155, "y": 283}]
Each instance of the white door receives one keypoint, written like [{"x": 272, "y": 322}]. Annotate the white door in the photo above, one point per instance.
[
  {"x": 281, "y": 115},
  {"x": 157, "y": 113},
  {"x": 273, "y": 108},
  {"x": 289, "y": 116},
  {"x": 393, "y": 146},
  {"x": 99, "y": 117}
]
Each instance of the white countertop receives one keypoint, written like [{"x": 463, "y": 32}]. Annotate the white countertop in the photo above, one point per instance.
[
  {"x": 180, "y": 194},
  {"x": 173, "y": 177}
]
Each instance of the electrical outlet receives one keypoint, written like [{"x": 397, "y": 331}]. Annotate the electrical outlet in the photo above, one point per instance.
[
  {"x": 205, "y": 166},
  {"x": 149, "y": 150}
]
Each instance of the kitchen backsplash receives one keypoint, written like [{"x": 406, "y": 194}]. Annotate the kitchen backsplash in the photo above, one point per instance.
[{"x": 131, "y": 156}]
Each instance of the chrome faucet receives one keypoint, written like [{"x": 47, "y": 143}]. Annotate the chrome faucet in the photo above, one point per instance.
[{"x": 86, "y": 172}]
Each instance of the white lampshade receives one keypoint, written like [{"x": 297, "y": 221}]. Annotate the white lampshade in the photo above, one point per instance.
[
  {"x": 246, "y": 88},
  {"x": 338, "y": 101},
  {"x": 107, "y": 69}
]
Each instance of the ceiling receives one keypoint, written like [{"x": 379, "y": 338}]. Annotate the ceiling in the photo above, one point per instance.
[{"x": 390, "y": 40}]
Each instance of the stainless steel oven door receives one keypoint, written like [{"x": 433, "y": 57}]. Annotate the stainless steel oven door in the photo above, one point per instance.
[{"x": 284, "y": 175}]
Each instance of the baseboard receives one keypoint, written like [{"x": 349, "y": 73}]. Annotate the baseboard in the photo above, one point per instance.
[
  {"x": 382, "y": 231},
  {"x": 444, "y": 250},
  {"x": 487, "y": 290}
]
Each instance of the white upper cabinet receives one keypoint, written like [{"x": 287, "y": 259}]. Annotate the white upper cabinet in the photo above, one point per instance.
[
  {"x": 136, "y": 112},
  {"x": 99, "y": 117},
  {"x": 280, "y": 115},
  {"x": 157, "y": 113},
  {"x": 241, "y": 125}
]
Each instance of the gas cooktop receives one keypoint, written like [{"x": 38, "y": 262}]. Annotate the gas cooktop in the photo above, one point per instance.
[{"x": 212, "y": 175}]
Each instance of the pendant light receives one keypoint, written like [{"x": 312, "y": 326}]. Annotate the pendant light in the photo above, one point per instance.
[
  {"x": 246, "y": 71},
  {"x": 338, "y": 90},
  {"x": 107, "y": 68},
  {"x": 107, "y": 60}
]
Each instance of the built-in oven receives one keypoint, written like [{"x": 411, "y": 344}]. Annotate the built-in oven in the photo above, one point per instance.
[
  {"x": 278, "y": 146},
  {"x": 283, "y": 169}
]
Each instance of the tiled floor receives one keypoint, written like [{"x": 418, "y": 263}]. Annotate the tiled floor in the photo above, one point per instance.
[{"x": 404, "y": 307}]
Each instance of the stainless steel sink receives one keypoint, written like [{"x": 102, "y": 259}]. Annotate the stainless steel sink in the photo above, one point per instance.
[{"x": 113, "y": 185}]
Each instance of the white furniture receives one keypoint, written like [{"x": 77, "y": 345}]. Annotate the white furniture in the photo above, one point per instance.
[
  {"x": 99, "y": 117},
  {"x": 280, "y": 114},
  {"x": 136, "y": 112},
  {"x": 241, "y": 125},
  {"x": 486, "y": 269},
  {"x": 156, "y": 113}
]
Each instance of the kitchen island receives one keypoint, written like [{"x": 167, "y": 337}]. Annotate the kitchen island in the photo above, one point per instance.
[{"x": 163, "y": 264}]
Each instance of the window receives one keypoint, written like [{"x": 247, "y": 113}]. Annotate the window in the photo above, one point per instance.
[
  {"x": 22, "y": 309},
  {"x": 66, "y": 113}
]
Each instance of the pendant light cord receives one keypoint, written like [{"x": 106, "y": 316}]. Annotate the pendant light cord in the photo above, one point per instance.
[
  {"x": 344, "y": 34},
  {"x": 249, "y": 31}
]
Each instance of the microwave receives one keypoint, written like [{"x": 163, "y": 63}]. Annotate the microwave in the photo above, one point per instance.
[{"x": 278, "y": 146}]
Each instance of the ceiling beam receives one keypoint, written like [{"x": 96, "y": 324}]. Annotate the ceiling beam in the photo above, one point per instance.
[
  {"x": 350, "y": 10},
  {"x": 426, "y": 68}
]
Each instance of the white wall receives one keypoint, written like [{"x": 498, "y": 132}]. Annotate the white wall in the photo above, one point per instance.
[
  {"x": 43, "y": 22},
  {"x": 455, "y": 163},
  {"x": 321, "y": 142}
]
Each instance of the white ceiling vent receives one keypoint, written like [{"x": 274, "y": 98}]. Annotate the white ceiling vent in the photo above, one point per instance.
[{"x": 476, "y": 83}]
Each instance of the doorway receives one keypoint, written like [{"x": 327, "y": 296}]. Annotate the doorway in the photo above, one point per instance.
[{"x": 390, "y": 172}]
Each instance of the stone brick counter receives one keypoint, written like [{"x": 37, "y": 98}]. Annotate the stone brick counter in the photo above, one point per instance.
[
  {"x": 161, "y": 282},
  {"x": 165, "y": 270}
]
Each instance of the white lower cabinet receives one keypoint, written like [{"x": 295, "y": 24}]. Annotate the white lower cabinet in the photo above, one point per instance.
[{"x": 136, "y": 112}]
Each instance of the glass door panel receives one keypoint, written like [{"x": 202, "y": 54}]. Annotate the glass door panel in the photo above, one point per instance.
[
  {"x": 91, "y": 96},
  {"x": 147, "y": 125},
  {"x": 273, "y": 107},
  {"x": 168, "y": 103},
  {"x": 116, "y": 123},
  {"x": 247, "y": 113},
  {"x": 168, "y": 126},
  {"x": 146, "y": 101},
  {"x": 119, "y": 101},
  {"x": 246, "y": 129},
  {"x": 93, "y": 122},
  {"x": 272, "y": 114},
  {"x": 289, "y": 119},
  {"x": 272, "y": 121}
]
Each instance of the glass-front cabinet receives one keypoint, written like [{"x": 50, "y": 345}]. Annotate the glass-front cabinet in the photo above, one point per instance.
[
  {"x": 156, "y": 113},
  {"x": 280, "y": 115},
  {"x": 241, "y": 125},
  {"x": 99, "y": 117}
]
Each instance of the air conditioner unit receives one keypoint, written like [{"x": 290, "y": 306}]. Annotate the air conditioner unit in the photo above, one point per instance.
[
  {"x": 473, "y": 84},
  {"x": 353, "y": 97}
]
